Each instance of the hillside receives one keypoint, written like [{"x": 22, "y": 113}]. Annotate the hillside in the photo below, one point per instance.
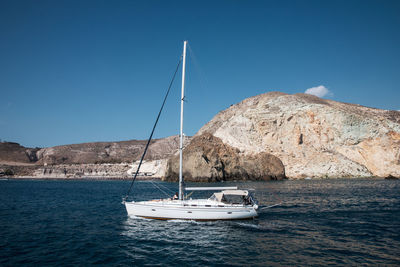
[
  {"x": 108, "y": 152},
  {"x": 313, "y": 137},
  {"x": 97, "y": 159}
]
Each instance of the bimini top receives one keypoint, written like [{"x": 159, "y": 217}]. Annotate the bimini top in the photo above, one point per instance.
[
  {"x": 220, "y": 196},
  {"x": 237, "y": 192}
]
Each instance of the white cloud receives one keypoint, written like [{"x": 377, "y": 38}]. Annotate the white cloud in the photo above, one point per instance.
[{"x": 319, "y": 91}]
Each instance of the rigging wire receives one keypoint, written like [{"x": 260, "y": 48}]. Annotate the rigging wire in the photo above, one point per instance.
[
  {"x": 159, "y": 188},
  {"x": 274, "y": 194},
  {"x": 152, "y": 132},
  {"x": 166, "y": 188},
  {"x": 199, "y": 69}
]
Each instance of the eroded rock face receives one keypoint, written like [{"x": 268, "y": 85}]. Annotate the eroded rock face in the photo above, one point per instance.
[
  {"x": 313, "y": 137},
  {"x": 208, "y": 159},
  {"x": 14, "y": 152}
]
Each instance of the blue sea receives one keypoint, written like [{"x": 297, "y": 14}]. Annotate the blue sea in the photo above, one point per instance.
[{"x": 81, "y": 223}]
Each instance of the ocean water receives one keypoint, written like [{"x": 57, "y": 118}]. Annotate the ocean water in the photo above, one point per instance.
[{"x": 81, "y": 223}]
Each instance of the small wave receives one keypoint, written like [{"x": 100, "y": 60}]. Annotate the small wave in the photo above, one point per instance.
[
  {"x": 179, "y": 221},
  {"x": 186, "y": 221},
  {"x": 138, "y": 218},
  {"x": 248, "y": 225}
]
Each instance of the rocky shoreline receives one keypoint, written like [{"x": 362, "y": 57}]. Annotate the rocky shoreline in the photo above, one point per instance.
[
  {"x": 120, "y": 171},
  {"x": 56, "y": 173},
  {"x": 102, "y": 178},
  {"x": 147, "y": 178}
]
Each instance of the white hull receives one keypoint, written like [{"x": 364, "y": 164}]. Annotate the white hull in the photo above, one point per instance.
[{"x": 190, "y": 210}]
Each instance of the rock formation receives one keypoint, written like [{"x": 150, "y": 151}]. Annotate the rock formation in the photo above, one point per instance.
[
  {"x": 15, "y": 153},
  {"x": 313, "y": 137},
  {"x": 208, "y": 159}
]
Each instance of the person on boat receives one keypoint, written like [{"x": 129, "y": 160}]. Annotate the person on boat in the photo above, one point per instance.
[
  {"x": 246, "y": 200},
  {"x": 176, "y": 196}
]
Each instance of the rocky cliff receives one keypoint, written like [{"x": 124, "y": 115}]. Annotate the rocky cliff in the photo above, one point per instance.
[
  {"x": 313, "y": 137},
  {"x": 208, "y": 159}
]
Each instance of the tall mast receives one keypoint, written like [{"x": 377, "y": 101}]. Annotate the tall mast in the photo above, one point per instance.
[{"x": 181, "y": 132}]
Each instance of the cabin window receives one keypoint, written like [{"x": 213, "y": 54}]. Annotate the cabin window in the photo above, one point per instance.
[
  {"x": 233, "y": 199},
  {"x": 213, "y": 198},
  {"x": 208, "y": 205}
]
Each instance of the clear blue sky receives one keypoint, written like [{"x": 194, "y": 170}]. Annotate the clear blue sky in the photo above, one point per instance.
[{"x": 83, "y": 71}]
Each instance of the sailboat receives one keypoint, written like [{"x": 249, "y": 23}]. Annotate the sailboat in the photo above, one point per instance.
[{"x": 227, "y": 203}]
